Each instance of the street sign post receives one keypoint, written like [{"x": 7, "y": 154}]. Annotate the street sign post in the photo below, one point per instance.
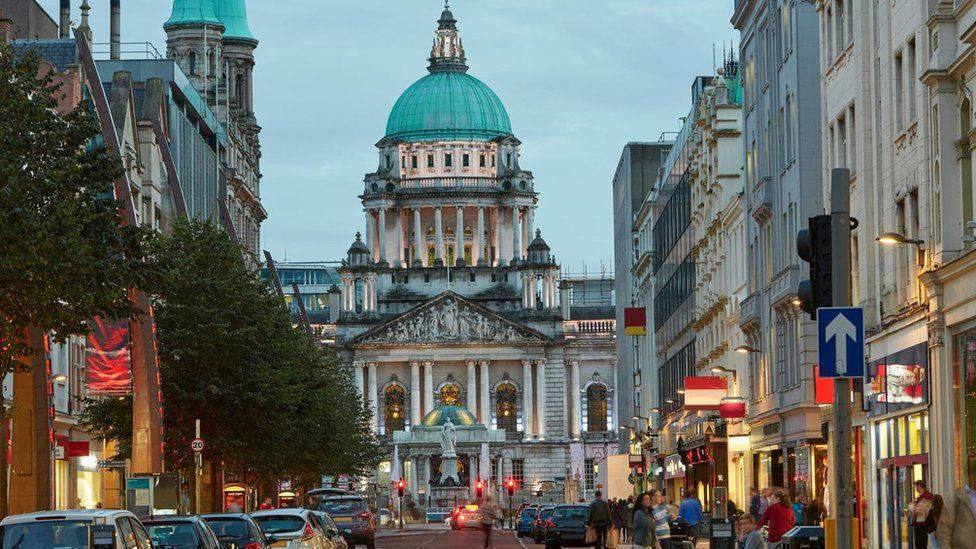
[
  {"x": 840, "y": 341},
  {"x": 197, "y": 445}
]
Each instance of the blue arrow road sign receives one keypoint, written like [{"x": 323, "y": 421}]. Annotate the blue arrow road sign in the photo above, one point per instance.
[{"x": 840, "y": 341}]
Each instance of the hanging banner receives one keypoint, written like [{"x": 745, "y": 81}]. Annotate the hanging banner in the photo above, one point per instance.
[
  {"x": 635, "y": 321},
  {"x": 108, "y": 359},
  {"x": 705, "y": 393}
]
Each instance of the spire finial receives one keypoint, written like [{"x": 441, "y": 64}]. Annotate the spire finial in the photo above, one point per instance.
[
  {"x": 447, "y": 53},
  {"x": 83, "y": 27},
  {"x": 447, "y": 5},
  {"x": 538, "y": 233},
  {"x": 359, "y": 236}
]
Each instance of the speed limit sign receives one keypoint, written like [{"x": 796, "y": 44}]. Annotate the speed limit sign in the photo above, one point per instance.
[{"x": 197, "y": 445}]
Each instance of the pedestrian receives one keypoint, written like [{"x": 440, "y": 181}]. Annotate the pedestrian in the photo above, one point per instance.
[
  {"x": 749, "y": 537},
  {"x": 957, "y": 525},
  {"x": 690, "y": 510},
  {"x": 266, "y": 504},
  {"x": 618, "y": 516},
  {"x": 643, "y": 534},
  {"x": 779, "y": 516},
  {"x": 661, "y": 515},
  {"x": 755, "y": 503},
  {"x": 935, "y": 515},
  {"x": 918, "y": 513},
  {"x": 629, "y": 518},
  {"x": 815, "y": 512},
  {"x": 487, "y": 518},
  {"x": 598, "y": 518},
  {"x": 799, "y": 506}
]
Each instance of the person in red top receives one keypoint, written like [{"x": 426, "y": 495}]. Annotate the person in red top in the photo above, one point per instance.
[
  {"x": 779, "y": 517},
  {"x": 266, "y": 504}
]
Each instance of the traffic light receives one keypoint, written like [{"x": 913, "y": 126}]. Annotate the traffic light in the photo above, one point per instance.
[
  {"x": 813, "y": 246},
  {"x": 479, "y": 487},
  {"x": 510, "y": 485},
  {"x": 400, "y": 487}
]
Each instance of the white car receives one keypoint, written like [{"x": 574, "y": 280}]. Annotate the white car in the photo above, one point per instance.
[
  {"x": 293, "y": 528},
  {"x": 72, "y": 529}
]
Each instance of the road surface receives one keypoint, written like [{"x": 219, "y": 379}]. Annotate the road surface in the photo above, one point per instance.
[{"x": 449, "y": 539}]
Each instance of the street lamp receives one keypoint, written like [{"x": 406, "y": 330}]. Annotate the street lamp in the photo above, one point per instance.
[
  {"x": 891, "y": 239},
  {"x": 746, "y": 349},
  {"x": 60, "y": 378},
  {"x": 724, "y": 370}
]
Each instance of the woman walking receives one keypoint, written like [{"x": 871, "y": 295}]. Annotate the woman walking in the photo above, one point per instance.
[
  {"x": 643, "y": 528},
  {"x": 780, "y": 518}
]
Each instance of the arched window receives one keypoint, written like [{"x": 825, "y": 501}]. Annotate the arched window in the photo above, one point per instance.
[
  {"x": 211, "y": 64},
  {"x": 506, "y": 407},
  {"x": 596, "y": 407},
  {"x": 450, "y": 254},
  {"x": 450, "y": 395},
  {"x": 239, "y": 89},
  {"x": 193, "y": 63},
  {"x": 467, "y": 254},
  {"x": 395, "y": 408},
  {"x": 431, "y": 255}
]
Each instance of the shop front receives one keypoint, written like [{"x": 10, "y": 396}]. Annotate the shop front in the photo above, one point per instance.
[
  {"x": 896, "y": 398},
  {"x": 674, "y": 477}
]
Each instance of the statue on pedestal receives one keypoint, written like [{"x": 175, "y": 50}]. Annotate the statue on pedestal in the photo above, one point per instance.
[{"x": 449, "y": 474}]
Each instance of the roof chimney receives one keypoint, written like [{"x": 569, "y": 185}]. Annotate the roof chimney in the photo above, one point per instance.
[
  {"x": 115, "y": 30},
  {"x": 64, "y": 30}
]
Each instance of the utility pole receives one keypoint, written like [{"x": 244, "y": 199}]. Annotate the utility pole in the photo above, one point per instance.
[
  {"x": 840, "y": 228},
  {"x": 198, "y": 471}
]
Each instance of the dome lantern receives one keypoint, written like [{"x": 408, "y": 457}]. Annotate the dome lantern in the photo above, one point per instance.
[
  {"x": 358, "y": 254},
  {"x": 447, "y": 54},
  {"x": 538, "y": 250},
  {"x": 459, "y": 416}
]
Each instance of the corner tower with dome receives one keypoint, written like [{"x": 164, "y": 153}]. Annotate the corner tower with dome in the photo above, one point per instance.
[
  {"x": 212, "y": 43},
  {"x": 451, "y": 302}
]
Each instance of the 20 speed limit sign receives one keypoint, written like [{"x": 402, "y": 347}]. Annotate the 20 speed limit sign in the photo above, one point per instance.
[{"x": 197, "y": 445}]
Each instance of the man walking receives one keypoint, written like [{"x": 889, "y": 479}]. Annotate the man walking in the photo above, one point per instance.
[
  {"x": 598, "y": 517},
  {"x": 691, "y": 511}
]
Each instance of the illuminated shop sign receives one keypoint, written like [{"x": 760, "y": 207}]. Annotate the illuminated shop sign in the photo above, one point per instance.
[{"x": 897, "y": 381}]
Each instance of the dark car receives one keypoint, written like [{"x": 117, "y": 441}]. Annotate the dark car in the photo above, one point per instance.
[
  {"x": 331, "y": 530},
  {"x": 539, "y": 524},
  {"x": 237, "y": 530},
  {"x": 566, "y": 527},
  {"x": 355, "y": 521},
  {"x": 181, "y": 533},
  {"x": 526, "y": 520}
]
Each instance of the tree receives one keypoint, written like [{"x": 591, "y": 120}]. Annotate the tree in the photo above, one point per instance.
[{"x": 65, "y": 255}]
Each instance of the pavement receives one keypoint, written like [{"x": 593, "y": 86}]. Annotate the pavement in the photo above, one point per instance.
[{"x": 437, "y": 536}]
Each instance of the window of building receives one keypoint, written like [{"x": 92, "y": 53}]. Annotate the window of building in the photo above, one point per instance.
[
  {"x": 786, "y": 22},
  {"x": 911, "y": 81},
  {"x": 389, "y": 162},
  {"x": 589, "y": 475},
  {"x": 394, "y": 403},
  {"x": 596, "y": 408},
  {"x": 465, "y": 160},
  {"x": 839, "y": 33},
  {"x": 518, "y": 473},
  {"x": 413, "y": 161},
  {"x": 431, "y": 255},
  {"x": 506, "y": 407},
  {"x": 852, "y": 129},
  {"x": 448, "y": 162},
  {"x": 829, "y": 36},
  {"x": 193, "y": 63},
  {"x": 508, "y": 160},
  {"x": 430, "y": 161},
  {"x": 899, "y": 92},
  {"x": 481, "y": 162},
  {"x": 842, "y": 141},
  {"x": 964, "y": 364},
  {"x": 450, "y": 254},
  {"x": 450, "y": 395},
  {"x": 492, "y": 161}
]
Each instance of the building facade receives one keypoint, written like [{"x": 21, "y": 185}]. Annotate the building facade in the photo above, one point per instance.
[
  {"x": 783, "y": 187},
  {"x": 451, "y": 298}
]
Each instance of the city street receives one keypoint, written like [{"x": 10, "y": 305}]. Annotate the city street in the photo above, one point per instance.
[{"x": 436, "y": 539}]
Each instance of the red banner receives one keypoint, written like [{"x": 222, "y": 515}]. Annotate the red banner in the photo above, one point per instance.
[
  {"x": 635, "y": 321},
  {"x": 109, "y": 357}
]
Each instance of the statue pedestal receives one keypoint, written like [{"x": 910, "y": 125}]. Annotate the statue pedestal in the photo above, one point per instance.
[{"x": 449, "y": 469}]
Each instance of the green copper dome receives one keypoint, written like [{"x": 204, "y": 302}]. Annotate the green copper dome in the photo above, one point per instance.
[
  {"x": 192, "y": 12},
  {"x": 233, "y": 14},
  {"x": 448, "y": 105},
  {"x": 459, "y": 416}
]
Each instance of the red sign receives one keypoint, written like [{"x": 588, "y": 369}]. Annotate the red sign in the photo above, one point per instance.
[
  {"x": 635, "y": 321},
  {"x": 109, "y": 358},
  {"x": 705, "y": 393},
  {"x": 823, "y": 388},
  {"x": 732, "y": 409}
]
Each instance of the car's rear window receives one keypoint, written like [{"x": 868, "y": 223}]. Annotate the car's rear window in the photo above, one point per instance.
[
  {"x": 343, "y": 506},
  {"x": 57, "y": 534},
  {"x": 547, "y": 512},
  {"x": 276, "y": 524},
  {"x": 530, "y": 512},
  {"x": 228, "y": 527},
  {"x": 173, "y": 534},
  {"x": 571, "y": 512}
]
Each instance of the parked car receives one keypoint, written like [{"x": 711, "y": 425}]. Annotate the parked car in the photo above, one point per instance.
[
  {"x": 355, "y": 521},
  {"x": 238, "y": 531},
  {"x": 293, "y": 527},
  {"x": 182, "y": 532},
  {"x": 332, "y": 530},
  {"x": 469, "y": 516},
  {"x": 314, "y": 496},
  {"x": 566, "y": 527},
  {"x": 106, "y": 528},
  {"x": 526, "y": 518},
  {"x": 539, "y": 524}
]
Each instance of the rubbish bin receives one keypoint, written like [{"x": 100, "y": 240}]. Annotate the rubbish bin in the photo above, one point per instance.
[
  {"x": 721, "y": 534},
  {"x": 804, "y": 537}
]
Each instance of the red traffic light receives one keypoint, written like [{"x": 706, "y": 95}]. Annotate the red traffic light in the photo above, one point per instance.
[
  {"x": 400, "y": 486},
  {"x": 479, "y": 487},
  {"x": 510, "y": 485}
]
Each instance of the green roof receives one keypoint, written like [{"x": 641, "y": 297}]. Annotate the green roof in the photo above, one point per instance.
[
  {"x": 458, "y": 415},
  {"x": 192, "y": 12},
  {"x": 448, "y": 105},
  {"x": 233, "y": 14}
]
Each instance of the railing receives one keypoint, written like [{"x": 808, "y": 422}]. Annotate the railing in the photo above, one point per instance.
[
  {"x": 448, "y": 183},
  {"x": 127, "y": 50},
  {"x": 596, "y": 326}
]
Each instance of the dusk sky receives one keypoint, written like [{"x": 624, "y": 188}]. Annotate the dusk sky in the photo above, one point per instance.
[{"x": 579, "y": 78}]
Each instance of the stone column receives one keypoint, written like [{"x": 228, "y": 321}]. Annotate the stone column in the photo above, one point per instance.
[
  {"x": 371, "y": 396},
  {"x": 526, "y": 284},
  {"x": 616, "y": 411},
  {"x": 516, "y": 237},
  {"x": 472, "y": 473},
  {"x": 472, "y": 389},
  {"x": 942, "y": 447},
  {"x": 419, "y": 253},
  {"x": 459, "y": 234},
  {"x": 427, "y": 470},
  {"x": 357, "y": 376},
  {"x": 397, "y": 237},
  {"x": 477, "y": 255},
  {"x": 370, "y": 239},
  {"x": 415, "y": 405},
  {"x": 414, "y": 485},
  {"x": 575, "y": 403},
  {"x": 527, "y": 399},
  {"x": 540, "y": 390},
  {"x": 526, "y": 231},
  {"x": 428, "y": 386},
  {"x": 439, "y": 237},
  {"x": 381, "y": 235},
  {"x": 485, "y": 393}
]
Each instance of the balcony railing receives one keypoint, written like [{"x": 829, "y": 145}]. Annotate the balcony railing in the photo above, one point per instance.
[{"x": 449, "y": 183}]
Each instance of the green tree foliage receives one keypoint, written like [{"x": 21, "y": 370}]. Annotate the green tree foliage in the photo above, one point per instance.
[{"x": 270, "y": 403}]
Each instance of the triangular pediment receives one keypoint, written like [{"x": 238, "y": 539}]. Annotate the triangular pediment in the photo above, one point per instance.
[{"x": 449, "y": 319}]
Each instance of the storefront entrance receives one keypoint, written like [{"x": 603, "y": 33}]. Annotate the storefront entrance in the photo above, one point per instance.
[{"x": 896, "y": 478}]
